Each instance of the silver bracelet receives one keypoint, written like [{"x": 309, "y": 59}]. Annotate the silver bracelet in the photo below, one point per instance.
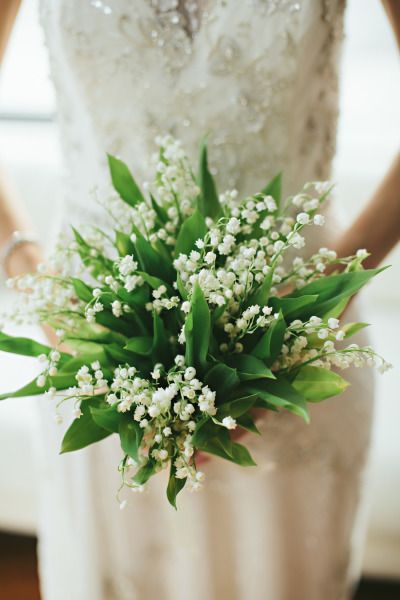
[{"x": 16, "y": 239}]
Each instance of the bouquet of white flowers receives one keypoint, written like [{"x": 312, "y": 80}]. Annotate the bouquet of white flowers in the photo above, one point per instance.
[{"x": 182, "y": 316}]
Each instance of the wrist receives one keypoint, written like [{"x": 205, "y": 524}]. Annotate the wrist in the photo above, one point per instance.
[{"x": 20, "y": 254}]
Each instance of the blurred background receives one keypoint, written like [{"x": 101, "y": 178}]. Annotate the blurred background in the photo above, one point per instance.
[{"x": 368, "y": 139}]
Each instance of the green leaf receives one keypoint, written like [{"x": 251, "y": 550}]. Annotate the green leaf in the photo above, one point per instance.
[
  {"x": 83, "y": 432},
  {"x": 87, "y": 352},
  {"x": 82, "y": 290},
  {"x": 316, "y": 383},
  {"x": 94, "y": 332},
  {"x": 250, "y": 367},
  {"x": 174, "y": 486},
  {"x": 199, "y": 432},
  {"x": 222, "y": 379},
  {"x": 151, "y": 262},
  {"x": 23, "y": 346},
  {"x": 233, "y": 452},
  {"x": 274, "y": 189},
  {"x": 246, "y": 421},
  {"x": 215, "y": 439},
  {"x": 193, "y": 228},
  {"x": 61, "y": 381},
  {"x": 207, "y": 432},
  {"x": 220, "y": 445},
  {"x": 155, "y": 282},
  {"x": 336, "y": 310},
  {"x": 131, "y": 435},
  {"x": 116, "y": 324},
  {"x": 279, "y": 393},
  {"x": 201, "y": 327},
  {"x": 136, "y": 298},
  {"x": 181, "y": 288},
  {"x": 160, "y": 212},
  {"x": 160, "y": 345},
  {"x": 140, "y": 345},
  {"x": 209, "y": 201},
  {"x": 237, "y": 407},
  {"x": 123, "y": 182},
  {"x": 241, "y": 456},
  {"x": 292, "y": 308},
  {"x": 353, "y": 328},
  {"x": 106, "y": 417},
  {"x": 334, "y": 288},
  {"x": 145, "y": 472},
  {"x": 261, "y": 295},
  {"x": 270, "y": 344},
  {"x": 124, "y": 244}
]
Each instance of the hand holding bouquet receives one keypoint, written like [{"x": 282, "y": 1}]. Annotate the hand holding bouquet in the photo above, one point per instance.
[{"x": 174, "y": 322}]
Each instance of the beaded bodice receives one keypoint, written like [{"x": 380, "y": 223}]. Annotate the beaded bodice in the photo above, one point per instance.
[{"x": 259, "y": 77}]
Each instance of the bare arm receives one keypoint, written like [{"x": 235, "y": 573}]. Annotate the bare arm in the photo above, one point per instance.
[
  {"x": 8, "y": 12},
  {"x": 12, "y": 217},
  {"x": 378, "y": 227}
]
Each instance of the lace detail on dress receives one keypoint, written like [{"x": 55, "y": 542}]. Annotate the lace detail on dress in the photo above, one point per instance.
[{"x": 259, "y": 76}]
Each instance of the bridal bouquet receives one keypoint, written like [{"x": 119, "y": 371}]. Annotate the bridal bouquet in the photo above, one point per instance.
[{"x": 184, "y": 314}]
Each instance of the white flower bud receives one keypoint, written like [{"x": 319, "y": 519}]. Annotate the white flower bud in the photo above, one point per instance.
[{"x": 229, "y": 423}]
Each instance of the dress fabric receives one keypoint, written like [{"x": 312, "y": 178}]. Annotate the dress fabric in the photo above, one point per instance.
[{"x": 260, "y": 77}]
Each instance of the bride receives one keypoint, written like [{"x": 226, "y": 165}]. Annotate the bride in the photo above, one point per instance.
[{"x": 261, "y": 77}]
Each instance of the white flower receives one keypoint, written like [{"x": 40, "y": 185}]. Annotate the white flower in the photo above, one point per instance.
[
  {"x": 333, "y": 323},
  {"x": 116, "y": 308},
  {"x": 199, "y": 244},
  {"x": 303, "y": 218},
  {"x": 233, "y": 225},
  {"x": 179, "y": 360},
  {"x": 181, "y": 473},
  {"x": 210, "y": 257},
  {"x": 298, "y": 200},
  {"x": 362, "y": 253},
  {"x": 156, "y": 374},
  {"x": 278, "y": 246},
  {"x": 163, "y": 454},
  {"x": 323, "y": 334},
  {"x": 270, "y": 203},
  {"x": 167, "y": 431},
  {"x": 315, "y": 321},
  {"x": 322, "y": 187},
  {"x": 154, "y": 410},
  {"x": 319, "y": 220},
  {"x": 127, "y": 265},
  {"x": 340, "y": 335},
  {"x": 185, "y": 306},
  {"x": 190, "y": 373},
  {"x": 41, "y": 381},
  {"x": 229, "y": 423},
  {"x": 297, "y": 241}
]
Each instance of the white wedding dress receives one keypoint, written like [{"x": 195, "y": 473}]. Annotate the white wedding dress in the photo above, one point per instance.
[{"x": 260, "y": 77}]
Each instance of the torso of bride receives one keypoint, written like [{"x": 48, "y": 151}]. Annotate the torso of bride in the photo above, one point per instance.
[{"x": 259, "y": 77}]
